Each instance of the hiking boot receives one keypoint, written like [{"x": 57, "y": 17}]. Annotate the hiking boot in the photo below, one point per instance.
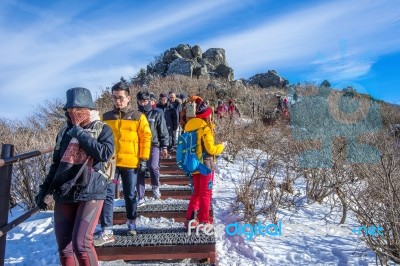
[
  {"x": 103, "y": 238},
  {"x": 141, "y": 202},
  {"x": 131, "y": 228},
  {"x": 156, "y": 192}
]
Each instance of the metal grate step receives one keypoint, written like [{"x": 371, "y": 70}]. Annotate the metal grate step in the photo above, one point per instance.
[{"x": 158, "y": 244}]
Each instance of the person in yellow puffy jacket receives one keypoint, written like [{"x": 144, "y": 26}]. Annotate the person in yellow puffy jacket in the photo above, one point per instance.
[
  {"x": 132, "y": 138},
  {"x": 206, "y": 151}
]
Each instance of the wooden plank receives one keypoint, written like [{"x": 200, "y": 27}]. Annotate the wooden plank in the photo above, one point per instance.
[
  {"x": 205, "y": 251},
  {"x": 171, "y": 180},
  {"x": 175, "y": 194},
  {"x": 178, "y": 213},
  {"x": 170, "y": 171}
]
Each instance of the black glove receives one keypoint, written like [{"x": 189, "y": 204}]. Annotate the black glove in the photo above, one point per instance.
[
  {"x": 142, "y": 166},
  {"x": 75, "y": 131},
  {"x": 147, "y": 173},
  {"x": 39, "y": 198}
]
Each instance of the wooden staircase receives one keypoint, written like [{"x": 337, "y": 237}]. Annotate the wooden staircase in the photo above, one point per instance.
[{"x": 161, "y": 244}]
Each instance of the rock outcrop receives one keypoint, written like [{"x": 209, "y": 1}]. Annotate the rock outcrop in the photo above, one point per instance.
[
  {"x": 269, "y": 79},
  {"x": 192, "y": 62}
]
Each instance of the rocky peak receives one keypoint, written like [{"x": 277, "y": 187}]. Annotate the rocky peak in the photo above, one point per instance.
[{"x": 191, "y": 61}]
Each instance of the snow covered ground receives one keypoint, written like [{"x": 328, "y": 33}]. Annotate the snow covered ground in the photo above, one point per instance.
[{"x": 33, "y": 242}]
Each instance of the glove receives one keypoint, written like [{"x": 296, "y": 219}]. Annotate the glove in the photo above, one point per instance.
[
  {"x": 147, "y": 173},
  {"x": 39, "y": 198},
  {"x": 164, "y": 153},
  {"x": 75, "y": 131},
  {"x": 142, "y": 166}
]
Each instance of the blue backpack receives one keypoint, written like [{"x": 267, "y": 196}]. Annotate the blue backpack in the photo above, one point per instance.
[{"x": 186, "y": 157}]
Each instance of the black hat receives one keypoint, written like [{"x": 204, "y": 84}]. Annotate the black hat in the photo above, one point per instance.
[
  {"x": 143, "y": 95},
  {"x": 163, "y": 95},
  {"x": 152, "y": 97},
  {"x": 79, "y": 97}
]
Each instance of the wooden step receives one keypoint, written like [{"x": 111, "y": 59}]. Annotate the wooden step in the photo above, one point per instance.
[
  {"x": 156, "y": 210},
  {"x": 171, "y": 180},
  {"x": 158, "y": 244},
  {"x": 176, "y": 192},
  {"x": 171, "y": 171},
  {"x": 168, "y": 162}
]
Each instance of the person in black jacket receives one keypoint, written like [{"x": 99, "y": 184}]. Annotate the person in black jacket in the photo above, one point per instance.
[
  {"x": 159, "y": 139},
  {"x": 74, "y": 178},
  {"x": 171, "y": 119}
]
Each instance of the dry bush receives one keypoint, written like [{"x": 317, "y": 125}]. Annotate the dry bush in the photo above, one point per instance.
[
  {"x": 33, "y": 133},
  {"x": 268, "y": 180},
  {"x": 368, "y": 188},
  {"x": 104, "y": 102},
  {"x": 375, "y": 198},
  {"x": 179, "y": 84}
]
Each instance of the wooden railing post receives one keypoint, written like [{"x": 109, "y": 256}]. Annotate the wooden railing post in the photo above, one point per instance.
[{"x": 7, "y": 150}]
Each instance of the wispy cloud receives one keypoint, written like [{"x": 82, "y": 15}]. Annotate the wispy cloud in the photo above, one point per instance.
[
  {"x": 311, "y": 39},
  {"x": 56, "y": 49},
  {"x": 46, "y": 50}
]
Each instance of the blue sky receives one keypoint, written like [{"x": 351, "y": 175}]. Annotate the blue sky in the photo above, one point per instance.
[{"x": 47, "y": 47}]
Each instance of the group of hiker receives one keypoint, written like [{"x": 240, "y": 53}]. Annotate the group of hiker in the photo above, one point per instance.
[{"x": 132, "y": 136}]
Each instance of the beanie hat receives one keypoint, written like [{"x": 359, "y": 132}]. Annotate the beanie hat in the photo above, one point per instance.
[
  {"x": 182, "y": 96},
  {"x": 202, "y": 110},
  {"x": 163, "y": 95},
  {"x": 152, "y": 97},
  {"x": 79, "y": 97},
  {"x": 195, "y": 98},
  {"x": 143, "y": 95}
]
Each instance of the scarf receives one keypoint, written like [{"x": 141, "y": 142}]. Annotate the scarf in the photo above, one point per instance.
[
  {"x": 75, "y": 167},
  {"x": 79, "y": 116}
]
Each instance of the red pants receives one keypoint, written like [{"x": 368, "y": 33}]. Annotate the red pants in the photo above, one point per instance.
[
  {"x": 74, "y": 225},
  {"x": 201, "y": 198}
]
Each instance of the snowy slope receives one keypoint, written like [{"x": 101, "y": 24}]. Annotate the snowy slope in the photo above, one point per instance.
[{"x": 33, "y": 242}]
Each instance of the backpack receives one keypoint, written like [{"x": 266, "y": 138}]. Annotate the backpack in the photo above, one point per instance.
[
  {"x": 186, "y": 157},
  {"x": 110, "y": 166},
  {"x": 191, "y": 109}
]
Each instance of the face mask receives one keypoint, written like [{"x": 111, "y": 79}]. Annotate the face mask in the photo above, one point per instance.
[
  {"x": 79, "y": 117},
  {"x": 145, "y": 108}
]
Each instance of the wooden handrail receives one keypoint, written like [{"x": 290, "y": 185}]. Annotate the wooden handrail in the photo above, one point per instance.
[
  {"x": 17, "y": 221},
  {"x": 6, "y": 163},
  {"x": 23, "y": 156}
]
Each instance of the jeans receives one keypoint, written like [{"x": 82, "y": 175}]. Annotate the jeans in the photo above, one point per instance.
[
  {"x": 106, "y": 217},
  {"x": 154, "y": 168},
  {"x": 172, "y": 138},
  {"x": 129, "y": 179}
]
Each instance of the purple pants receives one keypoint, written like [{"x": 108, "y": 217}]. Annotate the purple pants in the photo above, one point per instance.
[
  {"x": 74, "y": 226},
  {"x": 154, "y": 168}
]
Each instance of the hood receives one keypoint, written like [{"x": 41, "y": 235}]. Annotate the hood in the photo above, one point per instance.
[{"x": 194, "y": 124}]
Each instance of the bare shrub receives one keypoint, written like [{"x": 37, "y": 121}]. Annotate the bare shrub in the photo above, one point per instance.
[
  {"x": 376, "y": 196},
  {"x": 267, "y": 184},
  {"x": 33, "y": 133}
]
